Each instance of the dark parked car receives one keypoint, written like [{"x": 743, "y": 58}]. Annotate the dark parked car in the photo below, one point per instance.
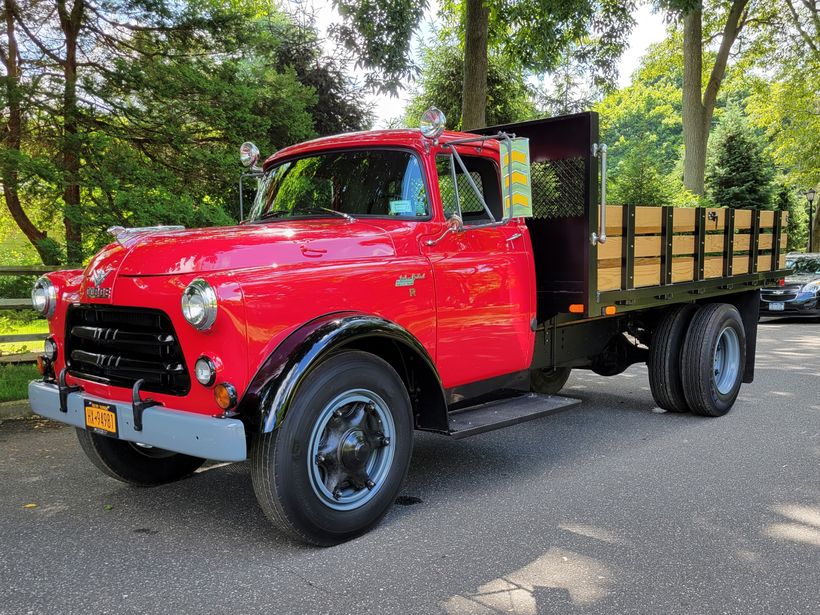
[{"x": 799, "y": 294}]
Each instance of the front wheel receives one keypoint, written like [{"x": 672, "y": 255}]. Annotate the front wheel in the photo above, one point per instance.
[
  {"x": 335, "y": 465},
  {"x": 136, "y": 464},
  {"x": 549, "y": 381}
]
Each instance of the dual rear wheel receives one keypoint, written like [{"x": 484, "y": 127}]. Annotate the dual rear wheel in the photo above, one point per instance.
[{"x": 697, "y": 357}]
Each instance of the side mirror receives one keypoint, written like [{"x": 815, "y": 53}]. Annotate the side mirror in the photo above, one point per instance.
[{"x": 248, "y": 154}]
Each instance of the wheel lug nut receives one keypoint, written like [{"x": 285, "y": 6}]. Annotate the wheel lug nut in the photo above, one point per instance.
[
  {"x": 337, "y": 413},
  {"x": 371, "y": 407},
  {"x": 369, "y": 484},
  {"x": 385, "y": 441},
  {"x": 337, "y": 493},
  {"x": 320, "y": 458}
]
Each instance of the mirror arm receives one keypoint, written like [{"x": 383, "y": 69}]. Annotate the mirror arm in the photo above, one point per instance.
[
  {"x": 471, "y": 182},
  {"x": 254, "y": 172}
]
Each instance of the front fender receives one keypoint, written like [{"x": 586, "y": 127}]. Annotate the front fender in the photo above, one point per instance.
[{"x": 272, "y": 389}]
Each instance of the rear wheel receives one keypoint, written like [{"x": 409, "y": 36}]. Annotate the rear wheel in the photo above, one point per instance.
[
  {"x": 713, "y": 359},
  {"x": 134, "y": 463},
  {"x": 549, "y": 381},
  {"x": 335, "y": 465},
  {"x": 665, "y": 358}
]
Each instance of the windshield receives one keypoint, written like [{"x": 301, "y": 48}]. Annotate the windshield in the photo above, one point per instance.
[
  {"x": 805, "y": 265},
  {"x": 350, "y": 183}
]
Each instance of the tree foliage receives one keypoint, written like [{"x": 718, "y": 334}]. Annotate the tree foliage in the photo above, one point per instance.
[
  {"x": 740, "y": 172},
  {"x": 145, "y": 128}
]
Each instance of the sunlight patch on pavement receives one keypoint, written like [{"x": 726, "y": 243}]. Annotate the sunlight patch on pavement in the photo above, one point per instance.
[{"x": 558, "y": 576}]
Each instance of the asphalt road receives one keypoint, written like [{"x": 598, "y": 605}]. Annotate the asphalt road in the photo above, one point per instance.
[{"x": 606, "y": 508}]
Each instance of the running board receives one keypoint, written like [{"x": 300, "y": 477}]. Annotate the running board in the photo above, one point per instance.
[{"x": 506, "y": 412}]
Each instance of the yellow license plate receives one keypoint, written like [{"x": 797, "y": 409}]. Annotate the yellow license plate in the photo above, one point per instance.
[{"x": 101, "y": 417}]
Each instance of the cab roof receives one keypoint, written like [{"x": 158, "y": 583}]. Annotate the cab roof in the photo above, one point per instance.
[{"x": 403, "y": 137}]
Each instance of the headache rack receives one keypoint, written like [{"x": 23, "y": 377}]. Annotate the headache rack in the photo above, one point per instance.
[
  {"x": 592, "y": 260},
  {"x": 121, "y": 345}
]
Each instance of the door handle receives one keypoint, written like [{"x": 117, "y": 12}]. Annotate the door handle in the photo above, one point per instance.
[{"x": 312, "y": 252}]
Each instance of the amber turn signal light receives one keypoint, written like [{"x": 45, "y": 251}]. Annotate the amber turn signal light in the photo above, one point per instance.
[
  {"x": 225, "y": 395},
  {"x": 609, "y": 310},
  {"x": 576, "y": 308}
]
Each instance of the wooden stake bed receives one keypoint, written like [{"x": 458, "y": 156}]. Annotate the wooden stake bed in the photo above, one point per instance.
[{"x": 645, "y": 248}]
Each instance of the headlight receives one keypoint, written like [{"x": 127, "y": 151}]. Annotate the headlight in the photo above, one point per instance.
[
  {"x": 199, "y": 304},
  {"x": 44, "y": 297},
  {"x": 811, "y": 287},
  {"x": 205, "y": 371},
  {"x": 50, "y": 349}
]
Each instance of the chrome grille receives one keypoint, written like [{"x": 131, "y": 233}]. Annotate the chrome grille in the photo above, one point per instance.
[{"x": 119, "y": 345}]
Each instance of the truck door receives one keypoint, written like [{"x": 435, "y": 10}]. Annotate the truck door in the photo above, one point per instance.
[{"x": 483, "y": 278}]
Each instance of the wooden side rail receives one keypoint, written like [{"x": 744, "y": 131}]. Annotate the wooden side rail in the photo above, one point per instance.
[{"x": 656, "y": 246}]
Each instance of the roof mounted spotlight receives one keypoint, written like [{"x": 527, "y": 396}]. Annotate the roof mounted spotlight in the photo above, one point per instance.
[{"x": 432, "y": 123}]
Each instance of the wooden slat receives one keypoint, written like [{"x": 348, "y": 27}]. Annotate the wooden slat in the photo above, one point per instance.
[
  {"x": 647, "y": 271},
  {"x": 614, "y": 221},
  {"x": 765, "y": 242},
  {"x": 683, "y": 220},
  {"x": 648, "y": 220},
  {"x": 782, "y": 264},
  {"x": 26, "y": 357},
  {"x": 683, "y": 269},
  {"x": 766, "y": 219},
  {"x": 740, "y": 264},
  {"x": 742, "y": 242},
  {"x": 32, "y": 337},
  {"x": 713, "y": 267},
  {"x": 784, "y": 239},
  {"x": 743, "y": 218},
  {"x": 15, "y": 304},
  {"x": 645, "y": 247},
  {"x": 683, "y": 244},
  {"x": 717, "y": 224},
  {"x": 764, "y": 262},
  {"x": 714, "y": 243},
  {"x": 610, "y": 249},
  {"x": 609, "y": 278}
]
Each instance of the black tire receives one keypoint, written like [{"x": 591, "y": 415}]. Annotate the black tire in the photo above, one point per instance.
[
  {"x": 549, "y": 381},
  {"x": 704, "y": 393},
  {"x": 130, "y": 463},
  {"x": 664, "y": 360},
  {"x": 282, "y": 478}
]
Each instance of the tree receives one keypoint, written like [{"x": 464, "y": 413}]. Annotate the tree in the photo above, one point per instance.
[
  {"x": 741, "y": 172},
  {"x": 439, "y": 85},
  {"x": 529, "y": 34},
  {"x": 637, "y": 180}
]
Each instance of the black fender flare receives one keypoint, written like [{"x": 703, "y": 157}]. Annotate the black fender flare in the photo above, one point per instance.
[{"x": 273, "y": 387}]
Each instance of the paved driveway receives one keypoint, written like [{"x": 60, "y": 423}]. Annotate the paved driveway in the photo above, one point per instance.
[{"x": 607, "y": 508}]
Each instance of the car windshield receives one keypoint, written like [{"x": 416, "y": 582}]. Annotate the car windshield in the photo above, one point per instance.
[
  {"x": 805, "y": 265},
  {"x": 348, "y": 184}
]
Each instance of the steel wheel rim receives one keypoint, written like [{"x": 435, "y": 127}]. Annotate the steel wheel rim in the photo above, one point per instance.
[
  {"x": 726, "y": 363},
  {"x": 351, "y": 450}
]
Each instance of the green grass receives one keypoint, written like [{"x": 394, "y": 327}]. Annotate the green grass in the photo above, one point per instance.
[
  {"x": 14, "y": 323},
  {"x": 14, "y": 380}
]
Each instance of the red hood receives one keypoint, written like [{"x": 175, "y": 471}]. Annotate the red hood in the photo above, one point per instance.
[{"x": 242, "y": 247}]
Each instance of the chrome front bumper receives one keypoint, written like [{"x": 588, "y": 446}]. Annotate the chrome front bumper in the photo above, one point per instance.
[{"x": 172, "y": 430}]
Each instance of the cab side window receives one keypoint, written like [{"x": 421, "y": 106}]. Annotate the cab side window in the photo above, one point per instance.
[{"x": 483, "y": 173}]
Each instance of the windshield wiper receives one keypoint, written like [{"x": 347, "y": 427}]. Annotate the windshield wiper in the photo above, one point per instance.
[
  {"x": 344, "y": 215},
  {"x": 273, "y": 213}
]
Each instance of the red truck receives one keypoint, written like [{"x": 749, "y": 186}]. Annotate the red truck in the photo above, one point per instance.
[{"x": 388, "y": 281}]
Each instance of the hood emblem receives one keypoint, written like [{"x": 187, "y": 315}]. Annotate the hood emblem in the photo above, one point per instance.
[{"x": 97, "y": 277}]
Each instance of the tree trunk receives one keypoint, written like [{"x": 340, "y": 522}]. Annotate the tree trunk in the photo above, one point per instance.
[
  {"x": 699, "y": 104},
  {"x": 694, "y": 135},
  {"x": 474, "y": 90},
  {"x": 12, "y": 139},
  {"x": 70, "y": 23}
]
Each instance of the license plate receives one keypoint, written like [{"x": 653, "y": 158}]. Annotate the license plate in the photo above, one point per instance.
[
  {"x": 777, "y": 306},
  {"x": 100, "y": 417}
]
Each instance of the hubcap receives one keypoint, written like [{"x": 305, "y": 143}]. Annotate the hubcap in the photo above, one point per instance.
[
  {"x": 350, "y": 451},
  {"x": 726, "y": 365}
]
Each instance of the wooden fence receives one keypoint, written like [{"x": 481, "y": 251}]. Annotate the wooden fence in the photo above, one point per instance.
[{"x": 21, "y": 304}]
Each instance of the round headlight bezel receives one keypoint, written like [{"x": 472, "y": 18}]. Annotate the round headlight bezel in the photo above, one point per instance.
[
  {"x": 211, "y": 367},
  {"x": 50, "y": 349},
  {"x": 199, "y": 290},
  {"x": 46, "y": 289}
]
